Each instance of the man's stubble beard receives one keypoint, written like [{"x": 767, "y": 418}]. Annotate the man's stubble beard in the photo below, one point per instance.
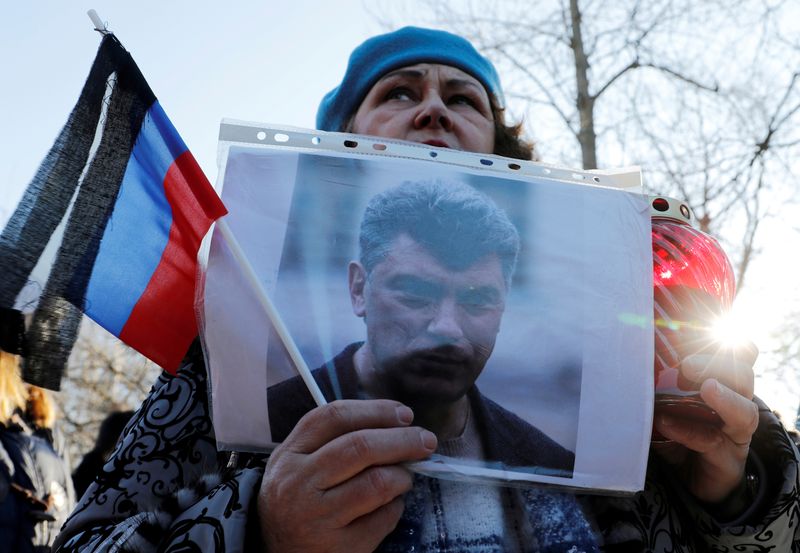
[{"x": 411, "y": 379}]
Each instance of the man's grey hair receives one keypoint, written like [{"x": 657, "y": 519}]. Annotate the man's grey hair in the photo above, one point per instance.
[{"x": 454, "y": 222}]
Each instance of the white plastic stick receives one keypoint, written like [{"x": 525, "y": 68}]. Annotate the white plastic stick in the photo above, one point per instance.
[
  {"x": 271, "y": 312},
  {"x": 98, "y": 23}
]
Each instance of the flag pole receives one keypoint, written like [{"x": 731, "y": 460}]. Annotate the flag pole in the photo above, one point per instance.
[{"x": 272, "y": 313}]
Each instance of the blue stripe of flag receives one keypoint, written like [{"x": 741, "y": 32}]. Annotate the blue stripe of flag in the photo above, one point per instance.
[{"x": 138, "y": 230}]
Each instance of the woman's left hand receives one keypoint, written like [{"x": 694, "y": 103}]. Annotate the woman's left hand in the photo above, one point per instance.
[{"x": 711, "y": 459}]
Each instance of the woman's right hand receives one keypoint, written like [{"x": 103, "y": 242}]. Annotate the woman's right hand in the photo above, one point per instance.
[{"x": 337, "y": 482}]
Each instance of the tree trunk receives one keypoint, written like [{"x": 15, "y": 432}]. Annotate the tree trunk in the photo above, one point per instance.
[{"x": 584, "y": 100}]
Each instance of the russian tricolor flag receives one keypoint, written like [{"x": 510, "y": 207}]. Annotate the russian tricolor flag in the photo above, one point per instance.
[
  {"x": 142, "y": 285},
  {"x": 138, "y": 207}
]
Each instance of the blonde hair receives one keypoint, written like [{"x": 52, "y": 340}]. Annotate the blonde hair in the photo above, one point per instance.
[{"x": 12, "y": 389}]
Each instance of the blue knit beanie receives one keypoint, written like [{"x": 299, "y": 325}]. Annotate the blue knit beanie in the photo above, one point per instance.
[{"x": 407, "y": 46}]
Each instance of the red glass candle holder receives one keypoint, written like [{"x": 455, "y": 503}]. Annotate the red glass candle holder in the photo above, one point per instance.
[{"x": 694, "y": 285}]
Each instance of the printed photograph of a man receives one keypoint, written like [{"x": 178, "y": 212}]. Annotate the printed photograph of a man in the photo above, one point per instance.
[{"x": 436, "y": 259}]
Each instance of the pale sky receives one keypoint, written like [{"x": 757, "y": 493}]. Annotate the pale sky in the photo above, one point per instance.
[{"x": 264, "y": 61}]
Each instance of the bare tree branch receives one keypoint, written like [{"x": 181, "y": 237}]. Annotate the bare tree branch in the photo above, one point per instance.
[
  {"x": 631, "y": 66},
  {"x": 544, "y": 89},
  {"x": 680, "y": 76}
]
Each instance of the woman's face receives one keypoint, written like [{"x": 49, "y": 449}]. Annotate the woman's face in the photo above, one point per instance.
[{"x": 429, "y": 103}]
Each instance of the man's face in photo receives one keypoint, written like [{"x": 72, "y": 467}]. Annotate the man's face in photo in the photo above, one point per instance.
[{"x": 430, "y": 328}]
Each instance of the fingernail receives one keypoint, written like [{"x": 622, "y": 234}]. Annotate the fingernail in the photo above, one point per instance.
[
  {"x": 428, "y": 440},
  {"x": 712, "y": 385},
  {"x": 405, "y": 415}
]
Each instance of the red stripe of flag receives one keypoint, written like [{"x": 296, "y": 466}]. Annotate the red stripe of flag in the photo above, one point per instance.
[{"x": 164, "y": 333}]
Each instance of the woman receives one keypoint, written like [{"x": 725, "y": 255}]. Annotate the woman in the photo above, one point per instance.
[{"x": 315, "y": 493}]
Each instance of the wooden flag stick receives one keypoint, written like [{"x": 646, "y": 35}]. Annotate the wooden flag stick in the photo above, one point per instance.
[{"x": 272, "y": 313}]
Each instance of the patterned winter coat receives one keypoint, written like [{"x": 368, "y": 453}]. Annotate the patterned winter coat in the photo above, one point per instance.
[{"x": 166, "y": 488}]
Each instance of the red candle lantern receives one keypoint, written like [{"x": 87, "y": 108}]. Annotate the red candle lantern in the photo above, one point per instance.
[{"x": 694, "y": 285}]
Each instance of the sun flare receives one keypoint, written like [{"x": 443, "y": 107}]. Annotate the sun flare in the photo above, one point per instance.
[{"x": 733, "y": 328}]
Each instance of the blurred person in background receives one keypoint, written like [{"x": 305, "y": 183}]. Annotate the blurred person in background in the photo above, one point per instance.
[
  {"x": 41, "y": 413},
  {"x": 36, "y": 492}
]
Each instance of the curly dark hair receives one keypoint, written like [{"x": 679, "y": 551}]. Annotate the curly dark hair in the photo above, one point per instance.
[{"x": 508, "y": 139}]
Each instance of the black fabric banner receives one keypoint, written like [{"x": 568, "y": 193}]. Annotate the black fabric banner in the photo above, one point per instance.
[{"x": 46, "y": 200}]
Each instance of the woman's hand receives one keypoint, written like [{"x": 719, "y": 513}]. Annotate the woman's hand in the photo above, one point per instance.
[
  {"x": 336, "y": 483},
  {"x": 710, "y": 459}
]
